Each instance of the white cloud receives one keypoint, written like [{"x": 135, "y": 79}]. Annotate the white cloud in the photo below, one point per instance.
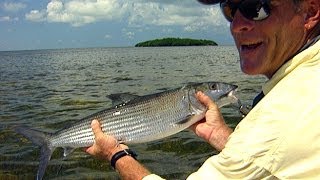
[
  {"x": 13, "y": 7},
  {"x": 153, "y": 13},
  {"x": 137, "y": 14},
  {"x": 191, "y": 17},
  {"x": 107, "y": 36},
  {"x": 81, "y": 12},
  {"x": 8, "y": 19},
  {"x": 167, "y": 30},
  {"x": 36, "y": 16},
  {"x": 5, "y": 18},
  {"x": 128, "y": 34}
]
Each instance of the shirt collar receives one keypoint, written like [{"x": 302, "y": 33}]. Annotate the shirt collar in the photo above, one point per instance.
[
  {"x": 304, "y": 54},
  {"x": 310, "y": 43}
]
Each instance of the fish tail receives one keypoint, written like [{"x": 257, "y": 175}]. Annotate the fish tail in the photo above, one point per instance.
[{"x": 42, "y": 140}]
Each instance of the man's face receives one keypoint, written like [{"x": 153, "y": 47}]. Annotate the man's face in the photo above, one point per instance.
[{"x": 265, "y": 45}]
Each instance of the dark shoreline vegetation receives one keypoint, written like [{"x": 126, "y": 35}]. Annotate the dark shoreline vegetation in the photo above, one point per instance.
[{"x": 176, "y": 42}]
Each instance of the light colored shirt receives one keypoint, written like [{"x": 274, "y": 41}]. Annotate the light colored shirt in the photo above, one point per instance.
[{"x": 280, "y": 137}]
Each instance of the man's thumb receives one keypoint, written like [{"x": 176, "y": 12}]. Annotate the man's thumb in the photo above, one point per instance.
[
  {"x": 96, "y": 128},
  {"x": 205, "y": 100}
]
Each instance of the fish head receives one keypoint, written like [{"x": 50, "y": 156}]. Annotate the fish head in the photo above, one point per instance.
[{"x": 221, "y": 93}]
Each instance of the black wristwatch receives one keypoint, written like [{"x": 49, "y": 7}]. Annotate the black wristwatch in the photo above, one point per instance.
[{"x": 120, "y": 154}]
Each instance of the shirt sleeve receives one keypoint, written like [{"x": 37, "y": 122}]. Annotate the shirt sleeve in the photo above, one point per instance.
[{"x": 229, "y": 166}]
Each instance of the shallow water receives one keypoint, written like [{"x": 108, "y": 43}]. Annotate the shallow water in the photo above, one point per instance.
[{"x": 49, "y": 89}]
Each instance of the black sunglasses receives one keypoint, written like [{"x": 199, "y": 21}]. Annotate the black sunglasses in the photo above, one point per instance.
[{"x": 256, "y": 10}]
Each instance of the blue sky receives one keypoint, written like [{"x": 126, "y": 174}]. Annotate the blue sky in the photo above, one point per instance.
[{"x": 51, "y": 24}]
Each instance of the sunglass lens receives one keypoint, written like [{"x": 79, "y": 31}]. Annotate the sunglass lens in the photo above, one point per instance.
[
  {"x": 254, "y": 9},
  {"x": 251, "y": 9},
  {"x": 228, "y": 11}
]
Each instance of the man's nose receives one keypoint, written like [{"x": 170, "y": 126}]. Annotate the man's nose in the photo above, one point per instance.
[{"x": 240, "y": 23}]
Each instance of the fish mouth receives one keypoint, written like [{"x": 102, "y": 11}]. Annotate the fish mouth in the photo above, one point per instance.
[
  {"x": 234, "y": 100},
  {"x": 237, "y": 104},
  {"x": 232, "y": 90}
]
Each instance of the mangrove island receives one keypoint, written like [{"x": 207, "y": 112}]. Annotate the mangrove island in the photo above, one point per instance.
[{"x": 176, "y": 42}]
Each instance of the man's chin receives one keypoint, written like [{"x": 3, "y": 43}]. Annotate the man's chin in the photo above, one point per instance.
[{"x": 249, "y": 69}]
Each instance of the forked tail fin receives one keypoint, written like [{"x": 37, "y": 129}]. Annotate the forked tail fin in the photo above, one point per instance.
[{"x": 41, "y": 139}]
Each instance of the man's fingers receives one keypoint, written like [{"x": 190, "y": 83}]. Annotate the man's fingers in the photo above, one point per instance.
[
  {"x": 96, "y": 128},
  {"x": 88, "y": 150},
  {"x": 206, "y": 100}
]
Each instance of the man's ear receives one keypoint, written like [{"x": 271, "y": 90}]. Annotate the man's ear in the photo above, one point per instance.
[{"x": 312, "y": 13}]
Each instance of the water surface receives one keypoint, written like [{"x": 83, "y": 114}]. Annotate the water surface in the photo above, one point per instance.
[{"x": 49, "y": 89}]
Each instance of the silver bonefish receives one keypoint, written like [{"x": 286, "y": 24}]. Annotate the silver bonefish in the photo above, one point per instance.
[{"x": 142, "y": 119}]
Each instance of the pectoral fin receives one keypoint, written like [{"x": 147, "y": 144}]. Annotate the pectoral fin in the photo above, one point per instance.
[
  {"x": 183, "y": 121},
  {"x": 67, "y": 151}
]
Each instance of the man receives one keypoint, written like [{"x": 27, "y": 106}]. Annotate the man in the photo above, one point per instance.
[{"x": 280, "y": 137}]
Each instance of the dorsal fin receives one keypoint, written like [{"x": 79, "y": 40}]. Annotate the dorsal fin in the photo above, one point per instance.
[{"x": 121, "y": 98}]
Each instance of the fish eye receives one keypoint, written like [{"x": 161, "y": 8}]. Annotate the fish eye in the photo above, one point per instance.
[{"x": 214, "y": 86}]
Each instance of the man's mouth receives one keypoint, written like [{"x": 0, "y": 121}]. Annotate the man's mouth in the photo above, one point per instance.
[{"x": 251, "y": 46}]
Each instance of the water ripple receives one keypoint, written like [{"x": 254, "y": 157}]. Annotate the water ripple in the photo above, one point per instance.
[{"x": 49, "y": 89}]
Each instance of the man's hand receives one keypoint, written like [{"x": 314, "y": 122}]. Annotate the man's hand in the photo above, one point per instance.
[
  {"x": 212, "y": 128},
  {"x": 104, "y": 146}
]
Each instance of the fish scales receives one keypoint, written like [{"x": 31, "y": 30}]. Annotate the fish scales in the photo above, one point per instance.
[
  {"x": 142, "y": 119},
  {"x": 135, "y": 120},
  {"x": 148, "y": 118}
]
